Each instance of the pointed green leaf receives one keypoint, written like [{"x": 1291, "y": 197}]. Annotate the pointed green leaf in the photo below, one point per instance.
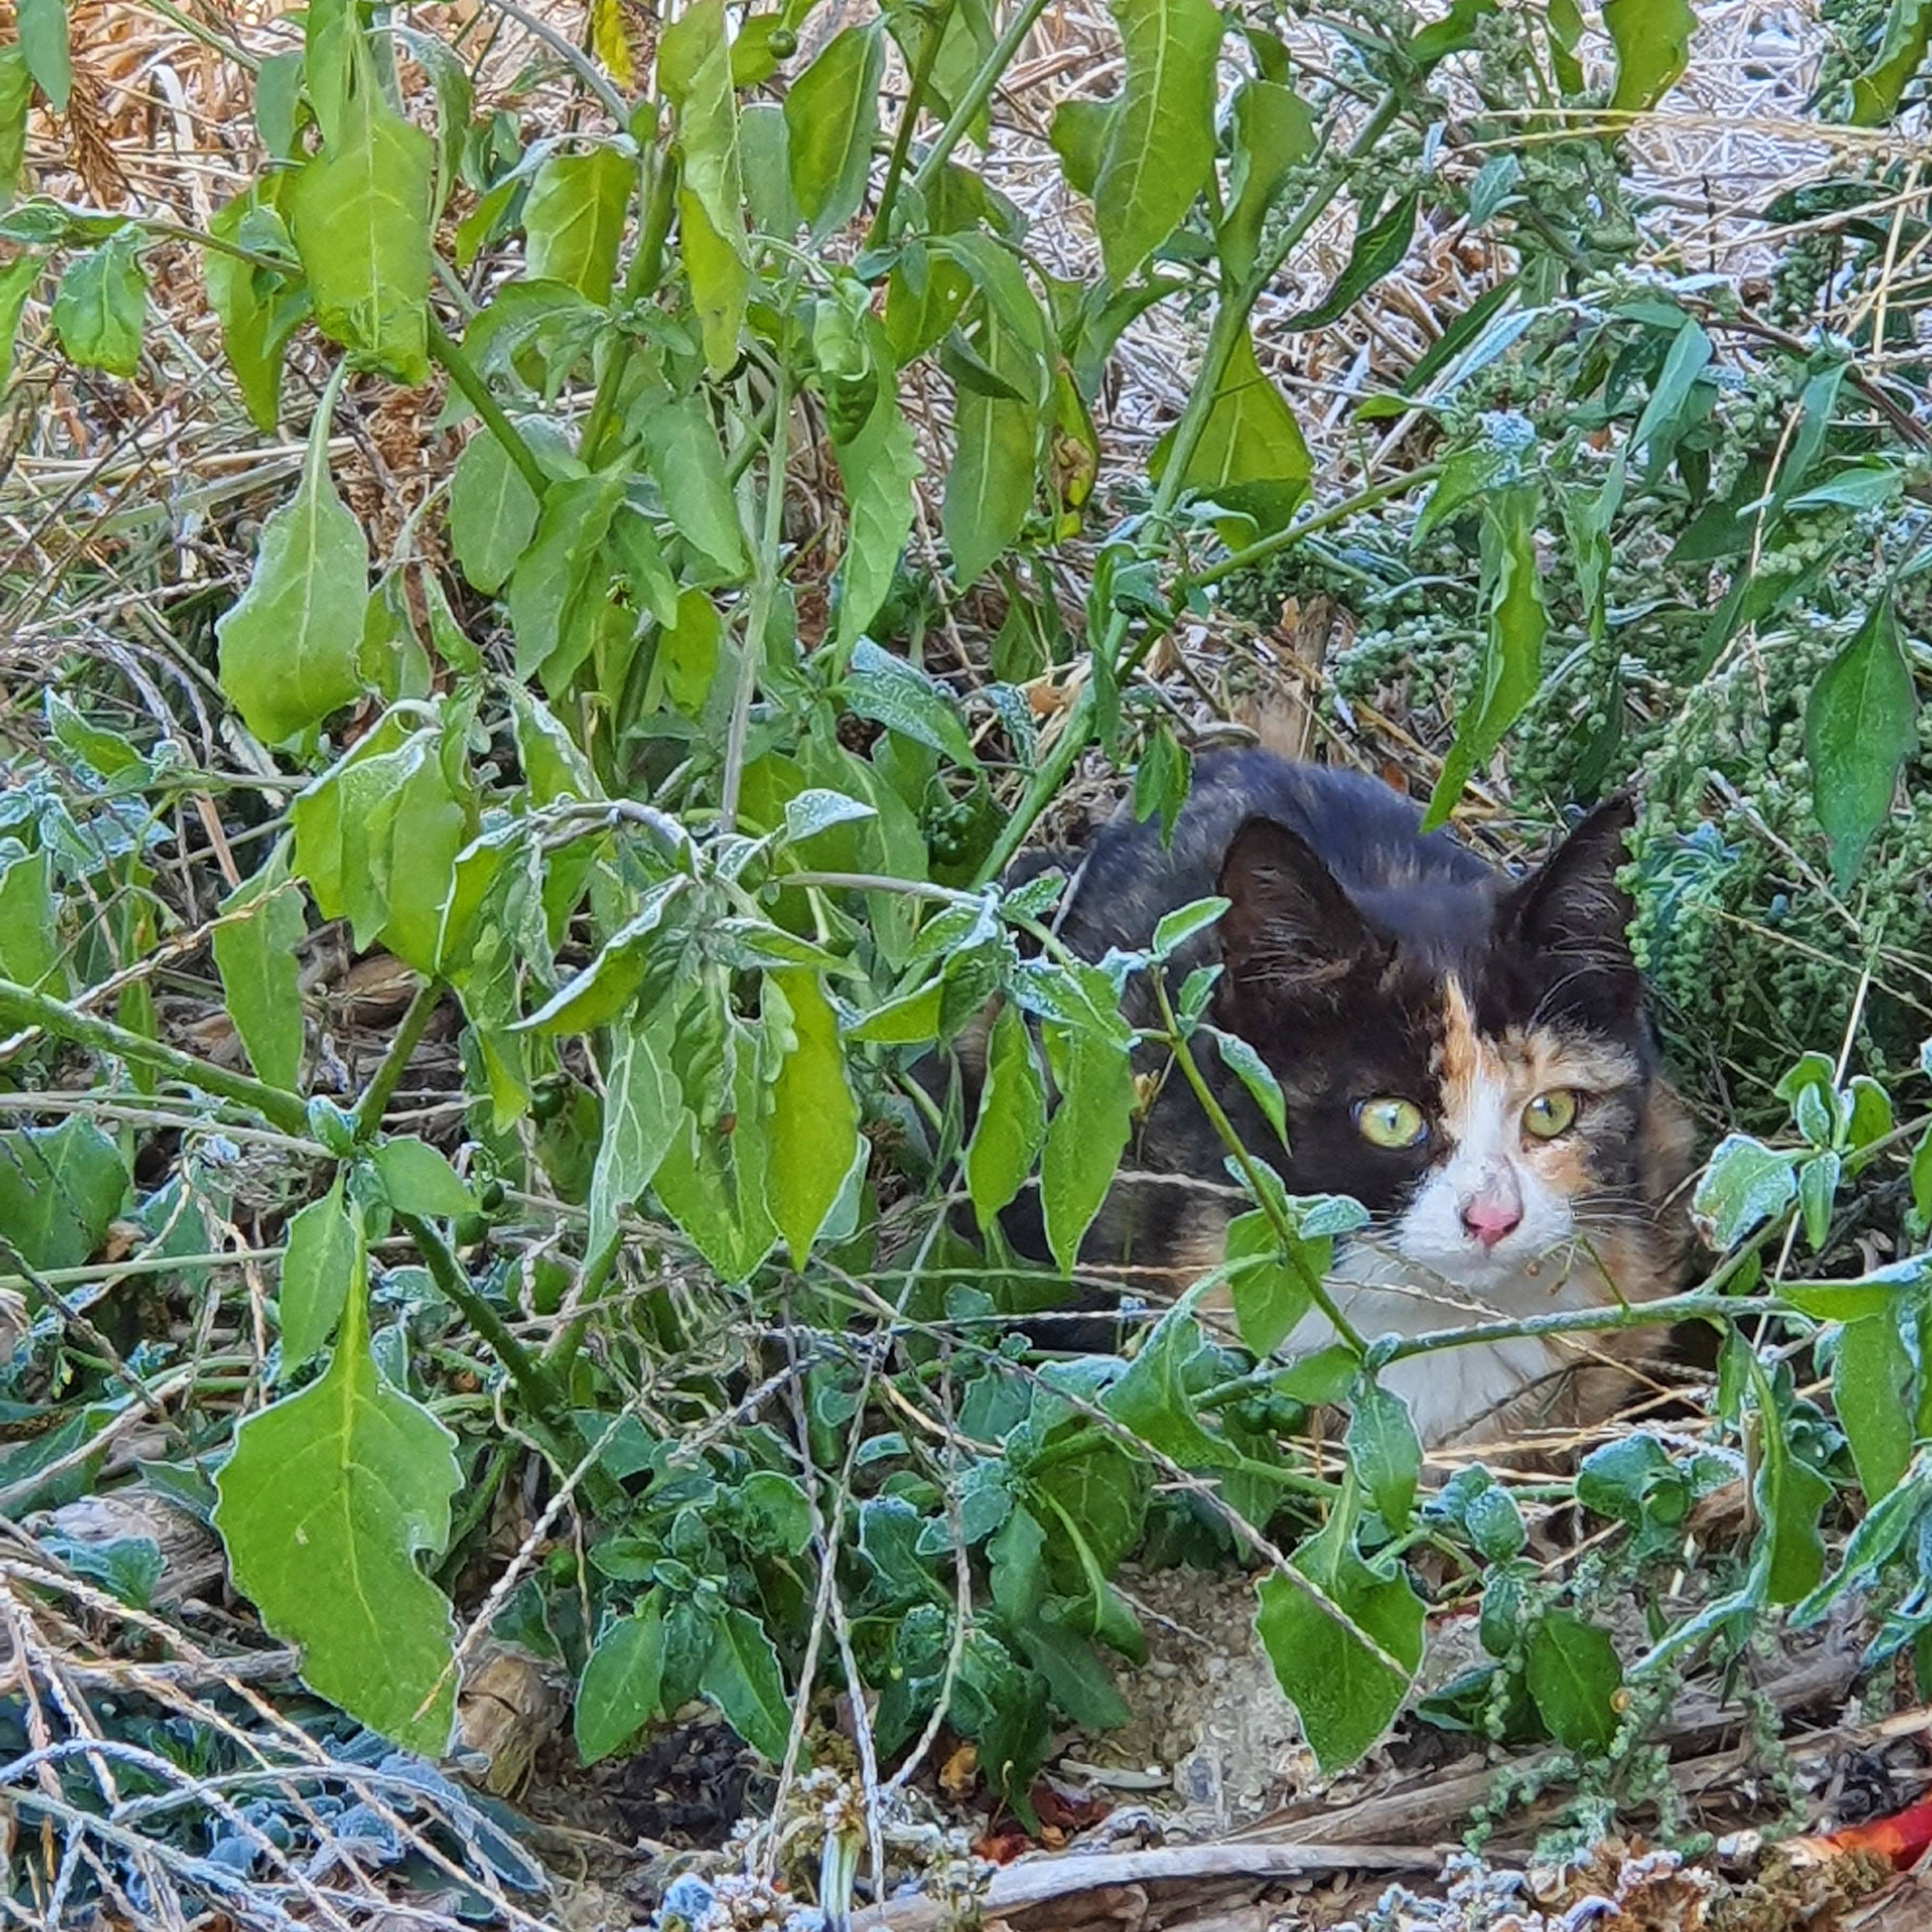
[
  {"x": 1380, "y": 246},
  {"x": 1653, "y": 43},
  {"x": 990, "y": 487},
  {"x": 60, "y": 1189},
  {"x": 1161, "y": 148},
  {"x": 42, "y": 25},
  {"x": 1574, "y": 1674},
  {"x": 643, "y": 1111},
  {"x": 260, "y": 974},
  {"x": 1860, "y": 724},
  {"x": 325, "y": 1500},
  {"x": 30, "y": 940},
  {"x": 101, "y": 304},
  {"x": 574, "y": 220},
  {"x": 258, "y": 309},
  {"x": 322, "y": 1264},
  {"x": 814, "y": 1131},
  {"x": 1385, "y": 1452},
  {"x": 619, "y": 1693},
  {"x": 682, "y": 452},
  {"x": 1869, "y": 1381},
  {"x": 419, "y": 1181},
  {"x": 1908, "y": 35},
  {"x": 831, "y": 118},
  {"x": 17, "y": 281},
  {"x": 1274, "y": 133},
  {"x": 492, "y": 512},
  {"x": 1012, "y": 1125},
  {"x": 289, "y": 649},
  {"x": 1084, "y": 1140},
  {"x": 742, "y": 1679},
  {"x": 1251, "y": 456},
  {"x": 878, "y": 468},
  {"x": 17, "y": 97}
]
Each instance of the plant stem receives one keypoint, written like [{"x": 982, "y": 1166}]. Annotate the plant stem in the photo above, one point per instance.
[
  {"x": 376, "y": 1096},
  {"x": 22, "y": 1007},
  {"x": 1264, "y": 1195},
  {"x": 966, "y": 111},
  {"x": 449, "y": 355},
  {"x": 877, "y": 235},
  {"x": 646, "y": 268},
  {"x": 1698, "y": 1303}
]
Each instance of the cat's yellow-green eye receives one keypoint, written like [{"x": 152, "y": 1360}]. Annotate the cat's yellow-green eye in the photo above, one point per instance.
[
  {"x": 1550, "y": 1114},
  {"x": 1390, "y": 1123}
]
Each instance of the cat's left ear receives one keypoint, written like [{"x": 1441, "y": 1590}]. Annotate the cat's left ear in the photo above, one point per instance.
[{"x": 1572, "y": 904}]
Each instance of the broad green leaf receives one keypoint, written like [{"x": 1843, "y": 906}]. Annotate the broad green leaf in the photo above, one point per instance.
[
  {"x": 832, "y": 118},
  {"x": 1653, "y": 43},
  {"x": 17, "y": 97},
  {"x": 911, "y": 1020},
  {"x": 1908, "y": 33},
  {"x": 1869, "y": 1381},
  {"x": 278, "y": 88},
  {"x": 1658, "y": 427},
  {"x": 712, "y": 1182},
  {"x": 562, "y": 577},
  {"x": 1380, "y": 246},
  {"x": 1012, "y": 1124},
  {"x": 990, "y": 487},
  {"x": 492, "y": 512},
  {"x": 618, "y": 1692},
  {"x": 30, "y": 940},
  {"x": 60, "y": 1189},
  {"x": 1161, "y": 149},
  {"x": 689, "y": 651},
  {"x": 42, "y": 26},
  {"x": 1079, "y": 133},
  {"x": 258, "y": 309},
  {"x": 1274, "y": 133},
  {"x": 418, "y": 1180},
  {"x": 1084, "y": 1140},
  {"x": 892, "y": 692},
  {"x": 17, "y": 281},
  {"x": 325, "y": 1500},
  {"x": 1849, "y": 1299},
  {"x": 322, "y": 1266},
  {"x": 742, "y": 1679},
  {"x": 1573, "y": 1672},
  {"x": 1789, "y": 1495},
  {"x": 260, "y": 974},
  {"x": 1152, "y": 1399},
  {"x": 100, "y": 305},
  {"x": 360, "y": 215},
  {"x": 428, "y": 827},
  {"x": 721, "y": 284},
  {"x": 1512, "y": 648},
  {"x": 695, "y": 69},
  {"x": 289, "y": 649},
  {"x": 1861, "y": 723},
  {"x": 682, "y": 452},
  {"x": 1385, "y": 1452},
  {"x": 1251, "y": 457},
  {"x": 574, "y": 220},
  {"x": 1744, "y": 1183},
  {"x": 1270, "y": 1294},
  {"x": 1345, "y": 1694},
  {"x": 878, "y": 468},
  {"x": 814, "y": 1131}
]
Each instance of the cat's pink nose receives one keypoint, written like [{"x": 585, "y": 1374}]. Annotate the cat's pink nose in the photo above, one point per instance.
[{"x": 1488, "y": 1217}]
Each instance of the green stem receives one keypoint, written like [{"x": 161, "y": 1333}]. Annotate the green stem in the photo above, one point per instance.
[
  {"x": 877, "y": 235},
  {"x": 646, "y": 268},
  {"x": 449, "y": 356},
  {"x": 1263, "y": 1195},
  {"x": 966, "y": 110},
  {"x": 562, "y": 1352},
  {"x": 22, "y": 1006},
  {"x": 404, "y": 1042}
]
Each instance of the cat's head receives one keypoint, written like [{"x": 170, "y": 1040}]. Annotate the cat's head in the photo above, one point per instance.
[{"x": 1469, "y": 1057}]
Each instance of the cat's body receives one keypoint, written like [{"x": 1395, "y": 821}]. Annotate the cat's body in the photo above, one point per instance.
[{"x": 1420, "y": 1010}]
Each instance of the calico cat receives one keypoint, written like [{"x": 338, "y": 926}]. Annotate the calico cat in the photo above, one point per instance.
[{"x": 1467, "y": 1055}]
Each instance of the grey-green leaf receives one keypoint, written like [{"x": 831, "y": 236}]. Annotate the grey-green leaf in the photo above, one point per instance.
[
  {"x": 742, "y": 1679},
  {"x": 1007, "y": 1135},
  {"x": 254, "y": 945},
  {"x": 831, "y": 118},
  {"x": 492, "y": 512},
  {"x": 322, "y": 1264},
  {"x": 1861, "y": 723}
]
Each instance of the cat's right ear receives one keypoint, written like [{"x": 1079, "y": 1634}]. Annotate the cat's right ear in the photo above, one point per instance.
[{"x": 1290, "y": 932}]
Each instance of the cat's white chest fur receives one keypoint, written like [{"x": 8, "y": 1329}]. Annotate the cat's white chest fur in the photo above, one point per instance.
[{"x": 1448, "y": 1391}]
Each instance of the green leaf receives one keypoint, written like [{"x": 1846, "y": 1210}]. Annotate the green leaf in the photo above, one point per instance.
[
  {"x": 1269, "y": 1295},
  {"x": 642, "y": 1110},
  {"x": 618, "y": 1694},
  {"x": 30, "y": 942},
  {"x": 695, "y": 69},
  {"x": 1274, "y": 133},
  {"x": 492, "y": 512},
  {"x": 878, "y": 467},
  {"x": 1079, "y": 133},
  {"x": 1161, "y": 151},
  {"x": 1745, "y": 1184},
  {"x": 1084, "y": 1140},
  {"x": 17, "y": 97},
  {"x": 742, "y": 1679},
  {"x": 687, "y": 651},
  {"x": 1176, "y": 929},
  {"x": 1653, "y": 43},
  {"x": 712, "y": 1182},
  {"x": 260, "y": 974},
  {"x": 100, "y": 305},
  {"x": 325, "y": 1499},
  {"x": 1861, "y": 722},
  {"x": 1012, "y": 1124},
  {"x": 428, "y": 827},
  {"x": 1689, "y": 355},
  {"x": 1512, "y": 650},
  {"x": 1251, "y": 457},
  {"x": 573, "y": 220},
  {"x": 814, "y": 1121},
  {"x": 322, "y": 1265},
  {"x": 1385, "y": 1451},
  {"x": 1257, "y": 1076},
  {"x": 892, "y": 692},
  {"x": 1869, "y": 1381},
  {"x": 17, "y": 282},
  {"x": 419, "y": 1181},
  {"x": 563, "y": 575},
  {"x": 258, "y": 309},
  {"x": 60, "y": 1189},
  {"x": 42, "y": 28},
  {"x": 681, "y": 451},
  {"x": 832, "y": 117},
  {"x": 1573, "y": 1672},
  {"x": 1908, "y": 33},
  {"x": 290, "y": 648},
  {"x": 360, "y": 215},
  {"x": 1344, "y": 1693},
  {"x": 1380, "y": 246},
  {"x": 990, "y": 487},
  {"x": 1152, "y": 1401}
]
